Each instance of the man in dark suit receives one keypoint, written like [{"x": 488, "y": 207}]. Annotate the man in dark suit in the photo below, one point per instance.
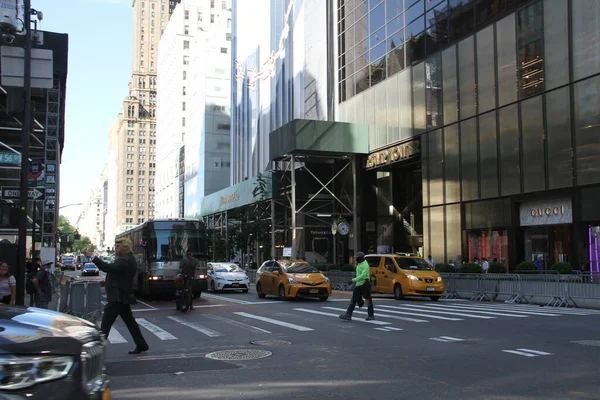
[{"x": 119, "y": 292}]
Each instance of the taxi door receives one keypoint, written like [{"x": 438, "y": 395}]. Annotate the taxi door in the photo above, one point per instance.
[
  {"x": 265, "y": 277},
  {"x": 387, "y": 273},
  {"x": 374, "y": 262}
]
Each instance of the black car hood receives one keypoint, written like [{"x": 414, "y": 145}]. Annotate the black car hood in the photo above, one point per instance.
[{"x": 29, "y": 330}]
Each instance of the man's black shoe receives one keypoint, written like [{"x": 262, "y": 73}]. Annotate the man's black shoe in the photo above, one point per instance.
[
  {"x": 346, "y": 317},
  {"x": 139, "y": 350}
]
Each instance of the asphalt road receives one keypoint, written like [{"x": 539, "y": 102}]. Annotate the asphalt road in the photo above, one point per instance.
[{"x": 416, "y": 349}]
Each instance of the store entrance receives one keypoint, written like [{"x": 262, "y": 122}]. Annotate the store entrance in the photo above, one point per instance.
[{"x": 547, "y": 245}]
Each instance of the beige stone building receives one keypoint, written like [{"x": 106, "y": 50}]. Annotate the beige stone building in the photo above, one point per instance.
[{"x": 132, "y": 138}]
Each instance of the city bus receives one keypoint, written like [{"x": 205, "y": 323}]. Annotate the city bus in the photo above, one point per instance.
[{"x": 159, "y": 246}]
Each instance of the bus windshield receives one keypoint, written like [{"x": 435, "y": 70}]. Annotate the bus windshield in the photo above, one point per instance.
[{"x": 173, "y": 244}]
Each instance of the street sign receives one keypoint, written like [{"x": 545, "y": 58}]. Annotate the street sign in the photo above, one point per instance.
[
  {"x": 36, "y": 167},
  {"x": 14, "y": 193},
  {"x": 10, "y": 158}
]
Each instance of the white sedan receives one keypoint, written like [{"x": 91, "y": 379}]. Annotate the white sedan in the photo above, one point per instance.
[{"x": 227, "y": 276}]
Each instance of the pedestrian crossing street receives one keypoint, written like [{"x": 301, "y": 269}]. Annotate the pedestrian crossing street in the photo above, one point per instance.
[{"x": 390, "y": 317}]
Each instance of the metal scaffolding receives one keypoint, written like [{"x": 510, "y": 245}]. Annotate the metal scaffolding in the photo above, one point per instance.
[
  {"x": 52, "y": 162},
  {"x": 336, "y": 197}
]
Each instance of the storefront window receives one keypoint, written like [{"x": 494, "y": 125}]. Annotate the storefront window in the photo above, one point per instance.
[
  {"x": 547, "y": 245},
  {"x": 489, "y": 244}
]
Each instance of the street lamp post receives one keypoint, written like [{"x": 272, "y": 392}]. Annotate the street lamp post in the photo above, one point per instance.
[
  {"x": 69, "y": 205},
  {"x": 24, "y": 195}
]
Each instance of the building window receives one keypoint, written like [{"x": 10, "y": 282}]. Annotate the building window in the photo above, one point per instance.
[
  {"x": 186, "y": 44},
  {"x": 183, "y": 91},
  {"x": 228, "y": 37},
  {"x": 186, "y": 60},
  {"x": 183, "y": 121},
  {"x": 224, "y": 126},
  {"x": 212, "y": 3},
  {"x": 212, "y": 18},
  {"x": 183, "y": 106},
  {"x": 224, "y": 50},
  {"x": 218, "y": 108},
  {"x": 224, "y": 5},
  {"x": 186, "y": 14},
  {"x": 186, "y": 30},
  {"x": 199, "y": 17},
  {"x": 531, "y": 61},
  {"x": 184, "y": 75}
]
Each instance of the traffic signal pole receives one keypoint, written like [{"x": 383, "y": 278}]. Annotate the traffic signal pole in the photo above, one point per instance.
[{"x": 23, "y": 196}]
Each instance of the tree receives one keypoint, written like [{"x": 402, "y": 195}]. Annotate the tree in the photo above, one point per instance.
[
  {"x": 70, "y": 238},
  {"x": 83, "y": 244}
]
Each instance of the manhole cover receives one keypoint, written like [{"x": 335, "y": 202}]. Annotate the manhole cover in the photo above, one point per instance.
[
  {"x": 238, "y": 355},
  {"x": 273, "y": 342}
]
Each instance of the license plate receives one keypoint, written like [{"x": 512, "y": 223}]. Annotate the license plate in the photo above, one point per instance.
[
  {"x": 236, "y": 284},
  {"x": 314, "y": 290},
  {"x": 430, "y": 289}
]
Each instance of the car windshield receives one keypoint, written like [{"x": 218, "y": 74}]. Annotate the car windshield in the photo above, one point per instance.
[
  {"x": 415, "y": 264},
  {"x": 227, "y": 268},
  {"x": 299, "y": 268}
]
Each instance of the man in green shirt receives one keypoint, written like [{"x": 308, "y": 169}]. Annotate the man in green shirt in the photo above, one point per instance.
[{"x": 362, "y": 289}]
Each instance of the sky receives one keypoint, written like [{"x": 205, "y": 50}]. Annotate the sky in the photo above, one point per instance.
[{"x": 100, "y": 42}]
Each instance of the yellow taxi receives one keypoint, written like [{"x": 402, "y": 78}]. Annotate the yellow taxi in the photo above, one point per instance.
[
  {"x": 404, "y": 275},
  {"x": 290, "y": 279}
]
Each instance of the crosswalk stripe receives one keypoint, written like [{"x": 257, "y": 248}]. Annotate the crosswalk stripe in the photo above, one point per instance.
[
  {"x": 556, "y": 310},
  {"x": 202, "y": 329},
  {"x": 541, "y": 353},
  {"x": 229, "y": 299},
  {"x": 521, "y": 353},
  {"x": 485, "y": 308},
  {"x": 158, "y": 332},
  {"x": 115, "y": 337},
  {"x": 382, "y": 329},
  {"x": 478, "y": 310},
  {"x": 379, "y": 315},
  {"x": 425, "y": 309},
  {"x": 238, "y": 324},
  {"x": 275, "y": 322},
  {"x": 392, "y": 328},
  {"x": 375, "y": 322},
  {"x": 417, "y": 314},
  {"x": 446, "y": 339}
]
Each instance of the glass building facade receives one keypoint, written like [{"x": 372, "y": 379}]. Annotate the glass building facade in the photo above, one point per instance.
[{"x": 503, "y": 99}]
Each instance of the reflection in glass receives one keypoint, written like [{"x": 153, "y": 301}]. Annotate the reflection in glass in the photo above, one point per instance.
[
  {"x": 426, "y": 238},
  {"x": 361, "y": 80},
  {"x": 489, "y": 244},
  {"x": 488, "y": 11},
  {"x": 393, "y": 8},
  {"x": 556, "y": 45},
  {"x": 468, "y": 152},
  {"x": 404, "y": 89},
  {"x": 436, "y": 167},
  {"x": 450, "y": 85},
  {"x": 531, "y": 61},
  {"x": 418, "y": 88},
  {"x": 377, "y": 17},
  {"x": 532, "y": 128},
  {"x": 488, "y": 155},
  {"x": 392, "y": 107},
  {"x": 560, "y": 147},
  {"x": 453, "y": 234},
  {"x": 395, "y": 60},
  {"x": 452, "y": 163},
  {"x": 462, "y": 21},
  {"x": 415, "y": 48},
  {"x": 507, "y": 60},
  {"x": 587, "y": 130},
  {"x": 510, "y": 173},
  {"x": 378, "y": 71},
  {"x": 586, "y": 31},
  {"x": 437, "y": 233},
  {"x": 486, "y": 71},
  {"x": 425, "y": 168},
  {"x": 467, "y": 88},
  {"x": 433, "y": 91}
]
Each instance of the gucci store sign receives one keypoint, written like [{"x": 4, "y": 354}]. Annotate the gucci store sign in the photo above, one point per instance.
[{"x": 546, "y": 212}]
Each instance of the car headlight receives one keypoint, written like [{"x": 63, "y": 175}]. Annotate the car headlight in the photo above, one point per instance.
[
  {"x": 412, "y": 277},
  {"x": 439, "y": 278},
  {"x": 292, "y": 280},
  {"x": 25, "y": 371},
  {"x": 202, "y": 276},
  {"x": 327, "y": 280}
]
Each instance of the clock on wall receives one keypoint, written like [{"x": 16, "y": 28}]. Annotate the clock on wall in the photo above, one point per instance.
[{"x": 343, "y": 228}]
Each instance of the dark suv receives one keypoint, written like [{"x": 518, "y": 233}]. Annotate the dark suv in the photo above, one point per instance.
[{"x": 49, "y": 355}]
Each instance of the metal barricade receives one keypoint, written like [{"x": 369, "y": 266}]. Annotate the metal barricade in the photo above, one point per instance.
[
  {"x": 82, "y": 299},
  {"x": 460, "y": 285},
  {"x": 340, "y": 280},
  {"x": 493, "y": 285}
]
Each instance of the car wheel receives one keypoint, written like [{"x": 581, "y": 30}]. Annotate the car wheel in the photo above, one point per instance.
[
  {"x": 282, "y": 292},
  {"x": 398, "y": 295},
  {"x": 259, "y": 291},
  {"x": 323, "y": 298},
  {"x": 434, "y": 298}
]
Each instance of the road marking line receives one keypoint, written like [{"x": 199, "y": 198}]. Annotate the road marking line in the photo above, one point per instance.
[
  {"x": 115, "y": 337},
  {"x": 392, "y": 328},
  {"x": 158, "y": 332},
  {"x": 541, "y": 353},
  {"x": 417, "y": 314},
  {"x": 146, "y": 304},
  {"x": 520, "y": 353},
  {"x": 425, "y": 309},
  {"x": 229, "y": 299},
  {"x": 447, "y": 339},
  {"x": 103, "y": 303},
  {"x": 202, "y": 329},
  {"x": 375, "y": 322},
  {"x": 238, "y": 324},
  {"x": 173, "y": 308},
  {"x": 475, "y": 310},
  {"x": 275, "y": 322},
  {"x": 382, "y": 329},
  {"x": 567, "y": 311},
  {"x": 486, "y": 308},
  {"x": 379, "y": 315}
]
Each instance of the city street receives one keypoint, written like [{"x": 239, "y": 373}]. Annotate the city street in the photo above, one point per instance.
[{"x": 415, "y": 349}]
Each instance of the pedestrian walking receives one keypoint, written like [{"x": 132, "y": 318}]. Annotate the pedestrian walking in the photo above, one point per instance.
[
  {"x": 362, "y": 289},
  {"x": 43, "y": 285},
  {"x": 119, "y": 292},
  {"x": 8, "y": 285}
]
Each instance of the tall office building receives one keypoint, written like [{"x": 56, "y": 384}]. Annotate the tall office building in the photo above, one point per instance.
[
  {"x": 193, "y": 127},
  {"x": 134, "y": 136}
]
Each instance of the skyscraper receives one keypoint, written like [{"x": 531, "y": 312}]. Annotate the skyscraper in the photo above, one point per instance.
[{"x": 133, "y": 139}]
